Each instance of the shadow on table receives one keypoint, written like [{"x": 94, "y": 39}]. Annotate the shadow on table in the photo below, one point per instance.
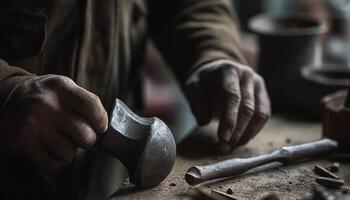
[
  {"x": 126, "y": 190},
  {"x": 201, "y": 144}
]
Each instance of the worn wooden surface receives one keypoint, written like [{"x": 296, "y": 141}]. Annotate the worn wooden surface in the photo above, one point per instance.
[{"x": 289, "y": 182}]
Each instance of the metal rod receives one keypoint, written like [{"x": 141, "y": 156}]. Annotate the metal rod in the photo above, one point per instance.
[{"x": 233, "y": 167}]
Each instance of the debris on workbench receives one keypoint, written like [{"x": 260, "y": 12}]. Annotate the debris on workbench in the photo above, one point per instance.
[
  {"x": 229, "y": 191},
  {"x": 200, "y": 193},
  {"x": 322, "y": 193},
  {"x": 203, "y": 193},
  {"x": 334, "y": 167},
  {"x": 271, "y": 196},
  {"x": 288, "y": 141},
  {"x": 343, "y": 158},
  {"x": 330, "y": 182},
  {"x": 172, "y": 184},
  {"x": 218, "y": 195},
  {"x": 324, "y": 172}
]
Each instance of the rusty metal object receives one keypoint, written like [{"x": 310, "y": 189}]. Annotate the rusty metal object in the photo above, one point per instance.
[
  {"x": 336, "y": 118},
  {"x": 144, "y": 145},
  {"x": 330, "y": 182},
  {"x": 321, "y": 171},
  {"x": 287, "y": 43},
  {"x": 233, "y": 167},
  {"x": 229, "y": 191}
]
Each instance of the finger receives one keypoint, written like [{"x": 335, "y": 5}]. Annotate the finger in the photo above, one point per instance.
[
  {"x": 59, "y": 145},
  {"x": 223, "y": 147},
  {"x": 246, "y": 108},
  {"x": 76, "y": 128},
  {"x": 229, "y": 104},
  {"x": 87, "y": 104},
  {"x": 199, "y": 103},
  {"x": 261, "y": 114}
]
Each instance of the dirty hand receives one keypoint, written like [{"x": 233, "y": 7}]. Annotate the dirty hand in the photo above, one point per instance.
[
  {"x": 234, "y": 94},
  {"x": 48, "y": 119}
]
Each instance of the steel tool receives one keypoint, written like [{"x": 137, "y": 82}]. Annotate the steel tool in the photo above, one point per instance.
[
  {"x": 233, "y": 167},
  {"x": 144, "y": 145}
]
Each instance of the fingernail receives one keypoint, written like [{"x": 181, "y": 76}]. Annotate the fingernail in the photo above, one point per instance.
[
  {"x": 223, "y": 148},
  {"x": 226, "y": 136}
]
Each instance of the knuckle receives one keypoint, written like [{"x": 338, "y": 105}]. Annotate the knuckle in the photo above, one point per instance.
[
  {"x": 42, "y": 99},
  {"x": 263, "y": 115},
  {"x": 259, "y": 79},
  {"x": 88, "y": 140},
  {"x": 43, "y": 102},
  {"x": 232, "y": 95},
  {"x": 88, "y": 137},
  {"x": 226, "y": 70},
  {"x": 88, "y": 98},
  {"x": 61, "y": 79},
  {"x": 95, "y": 98},
  {"x": 249, "y": 71},
  {"x": 247, "y": 110},
  {"x": 57, "y": 81},
  {"x": 230, "y": 70}
]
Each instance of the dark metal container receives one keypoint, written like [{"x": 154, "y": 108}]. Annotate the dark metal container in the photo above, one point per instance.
[
  {"x": 287, "y": 42},
  {"x": 336, "y": 119},
  {"x": 320, "y": 81}
]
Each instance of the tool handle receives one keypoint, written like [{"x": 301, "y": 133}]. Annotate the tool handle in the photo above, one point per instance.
[{"x": 227, "y": 168}]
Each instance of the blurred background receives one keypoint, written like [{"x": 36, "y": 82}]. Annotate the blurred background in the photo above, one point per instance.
[{"x": 300, "y": 47}]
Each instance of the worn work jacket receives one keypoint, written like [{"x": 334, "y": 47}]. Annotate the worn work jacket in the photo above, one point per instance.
[{"x": 100, "y": 43}]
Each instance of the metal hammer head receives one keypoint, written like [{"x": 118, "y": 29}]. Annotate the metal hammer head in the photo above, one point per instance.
[{"x": 146, "y": 146}]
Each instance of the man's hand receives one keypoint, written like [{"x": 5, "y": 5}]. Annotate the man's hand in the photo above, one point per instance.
[
  {"x": 47, "y": 120},
  {"x": 233, "y": 93}
]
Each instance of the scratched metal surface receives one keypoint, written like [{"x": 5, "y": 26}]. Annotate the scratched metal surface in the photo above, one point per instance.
[{"x": 289, "y": 182}]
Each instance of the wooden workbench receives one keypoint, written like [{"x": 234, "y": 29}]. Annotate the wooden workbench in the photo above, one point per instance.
[{"x": 289, "y": 182}]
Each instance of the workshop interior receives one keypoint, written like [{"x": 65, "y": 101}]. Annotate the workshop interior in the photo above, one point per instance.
[{"x": 175, "y": 99}]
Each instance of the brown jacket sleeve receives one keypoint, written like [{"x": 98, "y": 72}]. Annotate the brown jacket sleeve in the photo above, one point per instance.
[
  {"x": 190, "y": 33},
  {"x": 10, "y": 80}
]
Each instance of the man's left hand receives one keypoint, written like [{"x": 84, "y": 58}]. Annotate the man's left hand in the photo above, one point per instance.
[{"x": 234, "y": 94}]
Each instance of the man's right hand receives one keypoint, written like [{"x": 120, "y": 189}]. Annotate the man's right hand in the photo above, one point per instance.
[{"x": 48, "y": 119}]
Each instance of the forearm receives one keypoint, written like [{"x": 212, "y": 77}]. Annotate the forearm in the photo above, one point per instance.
[
  {"x": 10, "y": 80},
  {"x": 190, "y": 33}
]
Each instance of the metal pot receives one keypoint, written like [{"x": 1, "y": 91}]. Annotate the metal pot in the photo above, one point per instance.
[
  {"x": 287, "y": 42},
  {"x": 320, "y": 81}
]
